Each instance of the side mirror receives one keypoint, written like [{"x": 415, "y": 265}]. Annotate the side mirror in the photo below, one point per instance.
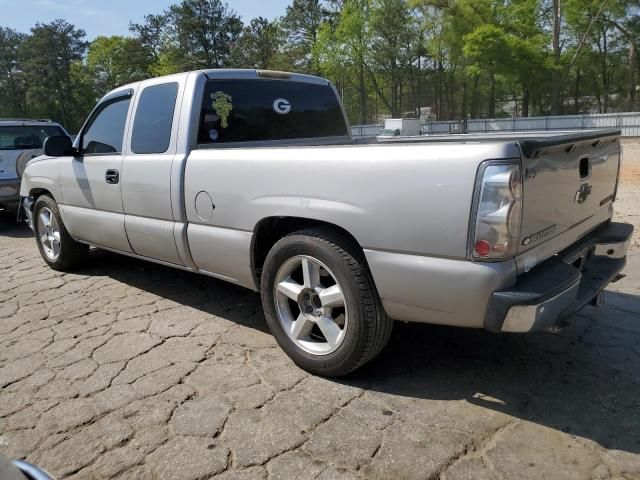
[{"x": 58, "y": 146}]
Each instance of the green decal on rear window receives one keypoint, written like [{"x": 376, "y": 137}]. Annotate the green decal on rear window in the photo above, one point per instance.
[{"x": 223, "y": 106}]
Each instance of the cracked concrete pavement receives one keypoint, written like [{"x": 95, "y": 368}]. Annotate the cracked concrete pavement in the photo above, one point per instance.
[{"x": 131, "y": 370}]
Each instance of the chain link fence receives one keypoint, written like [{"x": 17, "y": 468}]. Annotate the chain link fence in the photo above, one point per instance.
[{"x": 628, "y": 123}]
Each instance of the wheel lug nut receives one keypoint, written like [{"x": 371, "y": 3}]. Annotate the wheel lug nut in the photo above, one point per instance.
[{"x": 318, "y": 313}]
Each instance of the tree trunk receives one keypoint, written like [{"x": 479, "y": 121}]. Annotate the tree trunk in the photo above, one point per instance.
[
  {"x": 438, "y": 99},
  {"x": 492, "y": 95},
  {"x": 463, "y": 107},
  {"x": 379, "y": 92},
  {"x": 362, "y": 87},
  {"x": 474, "y": 97},
  {"x": 633, "y": 65},
  {"x": 451, "y": 92},
  {"x": 525, "y": 102},
  {"x": 394, "y": 99},
  {"x": 576, "y": 94},
  {"x": 556, "y": 74},
  {"x": 440, "y": 90},
  {"x": 605, "y": 73}
]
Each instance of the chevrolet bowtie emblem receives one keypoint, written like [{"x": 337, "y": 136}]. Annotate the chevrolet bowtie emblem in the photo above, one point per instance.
[{"x": 583, "y": 193}]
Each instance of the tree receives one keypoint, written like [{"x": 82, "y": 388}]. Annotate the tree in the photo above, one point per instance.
[
  {"x": 629, "y": 28},
  {"x": 445, "y": 25},
  {"x": 394, "y": 30},
  {"x": 512, "y": 47},
  {"x": 12, "y": 85},
  {"x": 301, "y": 23},
  {"x": 343, "y": 50},
  {"x": 259, "y": 46},
  {"x": 597, "y": 30},
  {"x": 459, "y": 59},
  {"x": 485, "y": 48},
  {"x": 556, "y": 23},
  {"x": 204, "y": 32},
  {"x": 152, "y": 33},
  {"x": 46, "y": 58},
  {"x": 115, "y": 61}
]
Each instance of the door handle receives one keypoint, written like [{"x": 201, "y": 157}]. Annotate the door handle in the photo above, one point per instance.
[{"x": 112, "y": 176}]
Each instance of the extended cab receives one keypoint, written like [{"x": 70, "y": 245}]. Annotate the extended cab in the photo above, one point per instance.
[{"x": 252, "y": 177}]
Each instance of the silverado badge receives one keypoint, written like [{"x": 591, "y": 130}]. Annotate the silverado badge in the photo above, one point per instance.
[{"x": 539, "y": 235}]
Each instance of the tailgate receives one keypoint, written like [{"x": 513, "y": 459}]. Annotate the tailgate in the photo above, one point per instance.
[{"x": 567, "y": 180}]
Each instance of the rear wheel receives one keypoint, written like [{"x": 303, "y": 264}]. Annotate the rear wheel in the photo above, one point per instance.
[
  {"x": 321, "y": 304},
  {"x": 57, "y": 248}
]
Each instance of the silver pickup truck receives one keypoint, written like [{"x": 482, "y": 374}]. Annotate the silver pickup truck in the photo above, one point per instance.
[{"x": 252, "y": 177}]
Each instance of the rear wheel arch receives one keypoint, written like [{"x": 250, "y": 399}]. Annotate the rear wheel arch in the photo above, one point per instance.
[{"x": 269, "y": 230}]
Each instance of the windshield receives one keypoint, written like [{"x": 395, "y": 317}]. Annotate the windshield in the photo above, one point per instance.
[
  {"x": 390, "y": 133},
  {"x": 22, "y": 137}
]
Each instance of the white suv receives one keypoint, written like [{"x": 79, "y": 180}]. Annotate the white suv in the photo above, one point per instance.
[{"x": 20, "y": 141}]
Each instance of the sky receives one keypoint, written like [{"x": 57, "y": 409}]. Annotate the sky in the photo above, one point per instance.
[{"x": 112, "y": 17}]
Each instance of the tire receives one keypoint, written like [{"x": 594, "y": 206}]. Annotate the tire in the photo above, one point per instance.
[
  {"x": 25, "y": 157},
  {"x": 68, "y": 254},
  {"x": 8, "y": 471},
  {"x": 362, "y": 323}
]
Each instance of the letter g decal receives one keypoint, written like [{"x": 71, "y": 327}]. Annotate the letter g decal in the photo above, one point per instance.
[{"x": 281, "y": 106}]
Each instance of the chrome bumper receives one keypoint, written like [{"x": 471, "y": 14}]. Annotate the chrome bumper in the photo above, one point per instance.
[
  {"x": 522, "y": 318},
  {"x": 544, "y": 298}
]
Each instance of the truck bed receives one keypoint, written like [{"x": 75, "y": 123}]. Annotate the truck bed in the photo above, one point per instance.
[{"x": 530, "y": 141}]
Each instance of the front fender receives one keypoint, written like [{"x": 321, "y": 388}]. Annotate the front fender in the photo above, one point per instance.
[{"x": 41, "y": 174}]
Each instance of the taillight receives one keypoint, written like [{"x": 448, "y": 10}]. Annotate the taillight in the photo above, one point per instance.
[{"x": 496, "y": 224}]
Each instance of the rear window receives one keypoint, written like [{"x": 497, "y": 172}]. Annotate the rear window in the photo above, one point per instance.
[
  {"x": 262, "y": 110},
  {"x": 22, "y": 137}
]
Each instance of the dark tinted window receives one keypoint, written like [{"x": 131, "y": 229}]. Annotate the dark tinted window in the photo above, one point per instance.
[
  {"x": 106, "y": 131},
  {"x": 154, "y": 118},
  {"x": 259, "y": 110},
  {"x": 22, "y": 137}
]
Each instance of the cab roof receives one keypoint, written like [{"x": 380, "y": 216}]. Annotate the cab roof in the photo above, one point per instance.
[
  {"x": 14, "y": 122},
  {"x": 232, "y": 73}
]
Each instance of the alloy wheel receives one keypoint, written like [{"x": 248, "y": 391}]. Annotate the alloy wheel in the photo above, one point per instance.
[
  {"x": 48, "y": 234},
  {"x": 310, "y": 305}
]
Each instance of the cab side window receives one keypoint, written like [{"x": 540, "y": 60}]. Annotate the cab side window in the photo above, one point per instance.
[
  {"x": 154, "y": 119},
  {"x": 105, "y": 133}
]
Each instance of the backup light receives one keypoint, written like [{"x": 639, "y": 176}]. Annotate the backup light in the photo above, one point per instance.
[{"x": 496, "y": 224}]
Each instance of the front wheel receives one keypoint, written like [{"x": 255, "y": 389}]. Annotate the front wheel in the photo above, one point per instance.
[
  {"x": 321, "y": 303},
  {"x": 57, "y": 248}
]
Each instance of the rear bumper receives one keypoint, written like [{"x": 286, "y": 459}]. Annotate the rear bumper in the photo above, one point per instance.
[
  {"x": 545, "y": 297},
  {"x": 9, "y": 193}
]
